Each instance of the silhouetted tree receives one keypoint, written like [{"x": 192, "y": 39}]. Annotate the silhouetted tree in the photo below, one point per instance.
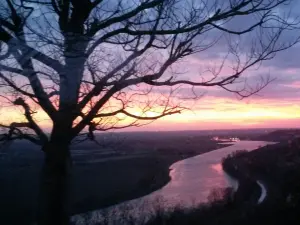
[{"x": 98, "y": 65}]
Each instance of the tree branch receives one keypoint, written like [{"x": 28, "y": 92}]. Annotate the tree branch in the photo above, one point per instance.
[
  {"x": 14, "y": 133},
  {"x": 36, "y": 86},
  {"x": 143, "y": 6},
  {"x": 122, "y": 111},
  {"x": 15, "y": 87},
  {"x": 31, "y": 123}
]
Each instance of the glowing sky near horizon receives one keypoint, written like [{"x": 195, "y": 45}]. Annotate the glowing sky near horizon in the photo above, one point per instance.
[{"x": 276, "y": 106}]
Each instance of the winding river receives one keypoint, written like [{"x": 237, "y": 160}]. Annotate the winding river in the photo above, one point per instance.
[{"x": 192, "y": 180}]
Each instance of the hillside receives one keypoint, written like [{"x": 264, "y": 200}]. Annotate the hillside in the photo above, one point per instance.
[{"x": 279, "y": 135}]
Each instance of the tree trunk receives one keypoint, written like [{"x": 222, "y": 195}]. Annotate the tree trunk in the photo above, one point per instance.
[{"x": 54, "y": 201}]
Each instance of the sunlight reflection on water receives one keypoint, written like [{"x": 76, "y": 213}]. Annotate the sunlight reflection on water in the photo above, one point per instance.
[{"x": 217, "y": 167}]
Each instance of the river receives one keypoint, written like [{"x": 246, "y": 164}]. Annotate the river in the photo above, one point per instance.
[{"x": 192, "y": 180}]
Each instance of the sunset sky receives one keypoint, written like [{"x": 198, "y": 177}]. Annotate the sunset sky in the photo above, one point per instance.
[{"x": 276, "y": 106}]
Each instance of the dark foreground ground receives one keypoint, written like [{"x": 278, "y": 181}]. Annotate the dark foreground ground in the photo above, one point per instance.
[{"x": 122, "y": 169}]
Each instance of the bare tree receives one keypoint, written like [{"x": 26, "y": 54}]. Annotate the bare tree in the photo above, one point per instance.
[{"x": 100, "y": 65}]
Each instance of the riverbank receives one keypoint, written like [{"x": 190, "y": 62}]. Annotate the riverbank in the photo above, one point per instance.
[
  {"x": 276, "y": 166},
  {"x": 98, "y": 181},
  {"x": 248, "y": 191},
  {"x": 132, "y": 176}
]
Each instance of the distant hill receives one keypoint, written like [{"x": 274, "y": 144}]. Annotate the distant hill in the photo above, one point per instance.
[{"x": 280, "y": 135}]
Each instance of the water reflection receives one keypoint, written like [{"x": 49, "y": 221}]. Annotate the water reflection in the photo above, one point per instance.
[
  {"x": 217, "y": 167},
  {"x": 194, "y": 178}
]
